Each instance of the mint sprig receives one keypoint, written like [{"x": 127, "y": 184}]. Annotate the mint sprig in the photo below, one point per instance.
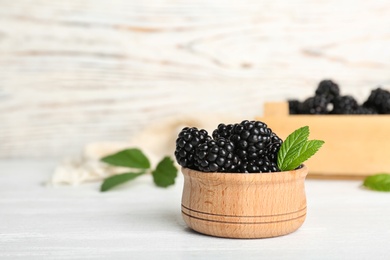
[
  {"x": 132, "y": 158},
  {"x": 296, "y": 149},
  {"x": 378, "y": 182},
  {"x": 164, "y": 175},
  {"x": 118, "y": 179}
]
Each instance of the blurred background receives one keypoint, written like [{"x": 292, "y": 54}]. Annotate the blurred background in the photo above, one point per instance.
[{"x": 80, "y": 71}]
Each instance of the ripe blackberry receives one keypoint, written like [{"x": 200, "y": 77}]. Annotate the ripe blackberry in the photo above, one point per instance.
[
  {"x": 273, "y": 148},
  {"x": 250, "y": 139},
  {"x": 216, "y": 156},
  {"x": 328, "y": 89},
  {"x": 345, "y": 105},
  {"x": 379, "y": 100},
  {"x": 294, "y": 106},
  {"x": 361, "y": 110},
  {"x": 253, "y": 140},
  {"x": 316, "y": 105},
  {"x": 259, "y": 165},
  {"x": 187, "y": 141},
  {"x": 223, "y": 130}
]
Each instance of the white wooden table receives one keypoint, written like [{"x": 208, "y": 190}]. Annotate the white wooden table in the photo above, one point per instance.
[
  {"x": 140, "y": 221},
  {"x": 74, "y": 72}
]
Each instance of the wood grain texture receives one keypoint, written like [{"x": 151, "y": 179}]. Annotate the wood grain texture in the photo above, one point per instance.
[
  {"x": 73, "y": 72},
  {"x": 355, "y": 145},
  {"x": 229, "y": 204}
]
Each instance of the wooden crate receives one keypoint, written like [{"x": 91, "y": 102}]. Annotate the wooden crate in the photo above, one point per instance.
[{"x": 355, "y": 145}]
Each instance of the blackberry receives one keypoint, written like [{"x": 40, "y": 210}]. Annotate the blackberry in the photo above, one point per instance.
[
  {"x": 186, "y": 143},
  {"x": 216, "y": 156},
  {"x": 249, "y": 146},
  {"x": 328, "y": 89},
  {"x": 253, "y": 140},
  {"x": 223, "y": 130},
  {"x": 273, "y": 148},
  {"x": 260, "y": 165},
  {"x": 361, "y": 110},
  {"x": 250, "y": 139},
  {"x": 294, "y": 106},
  {"x": 315, "y": 105},
  {"x": 379, "y": 100},
  {"x": 345, "y": 105}
]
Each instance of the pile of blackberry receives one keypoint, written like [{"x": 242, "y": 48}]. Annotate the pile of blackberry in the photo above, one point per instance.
[
  {"x": 328, "y": 100},
  {"x": 246, "y": 147}
]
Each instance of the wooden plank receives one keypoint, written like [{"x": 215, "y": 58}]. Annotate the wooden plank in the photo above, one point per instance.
[
  {"x": 276, "y": 109},
  {"x": 75, "y": 72},
  {"x": 335, "y": 176},
  {"x": 355, "y": 145}
]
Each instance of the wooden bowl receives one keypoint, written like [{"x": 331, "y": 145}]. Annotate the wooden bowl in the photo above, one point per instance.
[{"x": 244, "y": 205}]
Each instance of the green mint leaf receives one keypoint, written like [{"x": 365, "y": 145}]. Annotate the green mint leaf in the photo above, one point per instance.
[
  {"x": 378, "y": 182},
  {"x": 165, "y": 173},
  {"x": 291, "y": 147},
  {"x": 116, "y": 180},
  {"x": 306, "y": 151},
  {"x": 132, "y": 158}
]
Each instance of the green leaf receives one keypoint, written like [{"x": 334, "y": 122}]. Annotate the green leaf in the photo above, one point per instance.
[
  {"x": 306, "y": 151},
  {"x": 165, "y": 173},
  {"x": 132, "y": 158},
  {"x": 291, "y": 146},
  {"x": 296, "y": 149},
  {"x": 116, "y": 180},
  {"x": 378, "y": 182}
]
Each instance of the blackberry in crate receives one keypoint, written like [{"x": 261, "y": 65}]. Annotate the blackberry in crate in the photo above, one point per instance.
[
  {"x": 216, "y": 156},
  {"x": 328, "y": 89},
  {"x": 186, "y": 143},
  {"x": 361, "y": 110},
  {"x": 345, "y": 105},
  {"x": 318, "y": 104},
  {"x": 294, "y": 107},
  {"x": 379, "y": 100}
]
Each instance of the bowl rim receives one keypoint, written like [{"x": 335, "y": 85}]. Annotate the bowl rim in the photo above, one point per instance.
[{"x": 247, "y": 177}]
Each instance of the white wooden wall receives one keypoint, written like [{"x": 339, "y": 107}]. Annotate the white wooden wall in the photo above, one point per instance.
[{"x": 77, "y": 71}]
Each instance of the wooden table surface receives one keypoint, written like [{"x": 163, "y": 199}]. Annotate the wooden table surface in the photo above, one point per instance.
[
  {"x": 74, "y": 72},
  {"x": 141, "y": 221}
]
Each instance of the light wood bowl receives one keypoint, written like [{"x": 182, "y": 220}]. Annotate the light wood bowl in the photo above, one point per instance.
[{"x": 244, "y": 205}]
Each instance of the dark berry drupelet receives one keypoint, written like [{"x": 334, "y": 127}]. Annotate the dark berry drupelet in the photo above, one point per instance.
[
  {"x": 294, "y": 106},
  {"x": 379, "y": 100},
  {"x": 319, "y": 104},
  {"x": 223, "y": 130},
  {"x": 345, "y": 105},
  {"x": 187, "y": 141},
  {"x": 216, "y": 156},
  {"x": 328, "y": 89}
]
